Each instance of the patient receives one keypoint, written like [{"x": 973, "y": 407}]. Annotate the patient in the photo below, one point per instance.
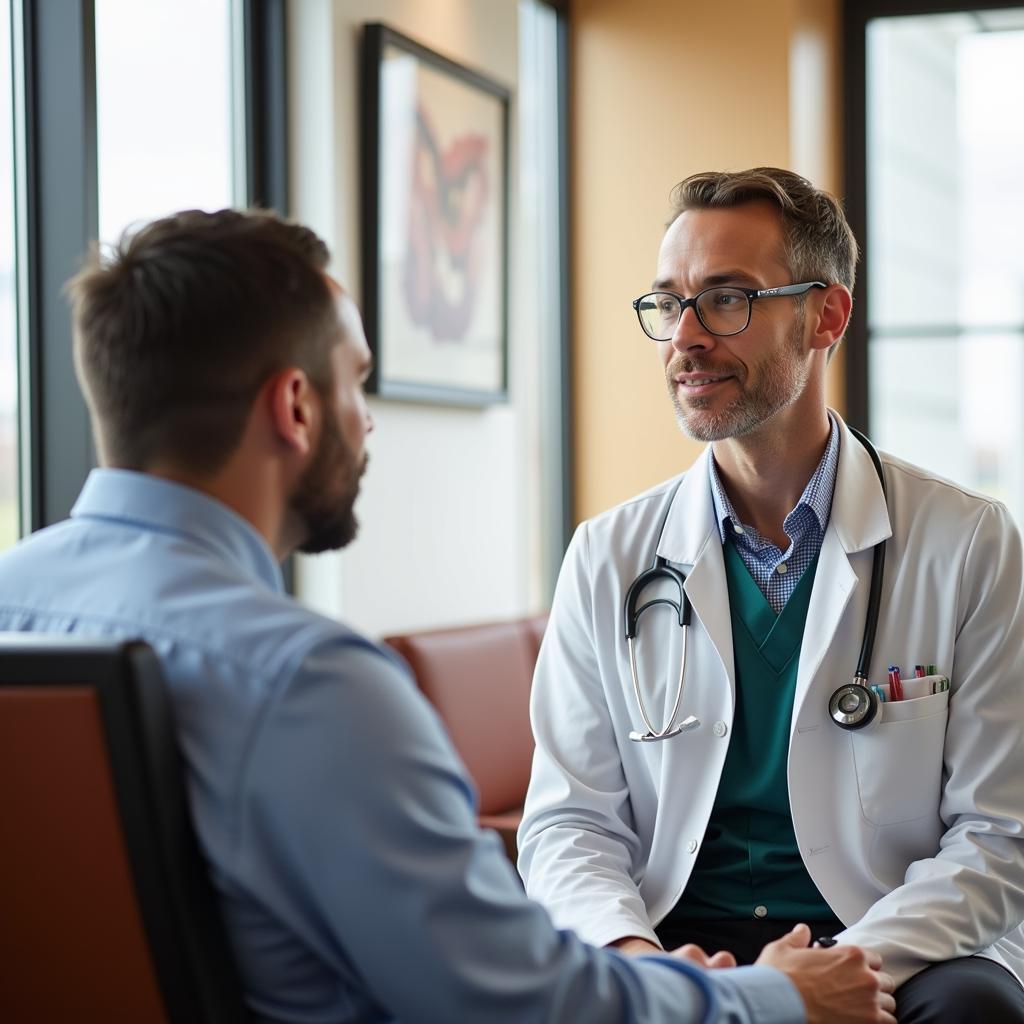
[{"x": 223, "y": 371}]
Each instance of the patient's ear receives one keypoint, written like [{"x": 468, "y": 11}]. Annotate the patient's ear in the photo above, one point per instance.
[{"x": 294, "y": 409}]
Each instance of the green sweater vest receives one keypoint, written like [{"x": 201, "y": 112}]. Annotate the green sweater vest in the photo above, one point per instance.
[{"x": 750, "y": 857}]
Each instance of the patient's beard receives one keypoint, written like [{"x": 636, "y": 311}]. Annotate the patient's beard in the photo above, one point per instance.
[{"x": 325, "y": 497}]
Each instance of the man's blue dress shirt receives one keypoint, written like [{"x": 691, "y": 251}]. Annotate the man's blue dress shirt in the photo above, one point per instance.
[
  {"x": 336, "y": 818},
  {"x": 777, "y": 572}
]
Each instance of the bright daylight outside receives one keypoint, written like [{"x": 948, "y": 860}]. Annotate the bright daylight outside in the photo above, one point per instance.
[
  {"x": 164, "y": 108},
  {"x": 946, "y": 266},
  {"x": 165, "y": 142}
]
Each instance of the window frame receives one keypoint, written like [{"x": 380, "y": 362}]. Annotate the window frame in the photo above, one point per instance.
[
  {"x": 564, "y": 518},
  {"x": 856, "y": 15},
  {"x": 57, "y": 218},
  {"x": 559, "y": 513},
  {"x": 58, "y": 212}
]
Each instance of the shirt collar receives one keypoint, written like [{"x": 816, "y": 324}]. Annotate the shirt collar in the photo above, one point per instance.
[
  {"x": 817, "y": 494},
  {"x": 161, "y": 505}
]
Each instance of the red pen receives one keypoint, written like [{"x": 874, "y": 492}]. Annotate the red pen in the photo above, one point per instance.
[
  {"x": 919, "y": 671},
  {"x": 895, "y": 683}
]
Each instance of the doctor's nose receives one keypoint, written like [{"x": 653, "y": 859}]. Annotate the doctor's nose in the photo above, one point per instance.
[{"x": 690, "y": 333}]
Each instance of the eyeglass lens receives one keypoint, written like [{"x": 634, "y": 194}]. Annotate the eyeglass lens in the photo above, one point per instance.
[{"x": 722, "y": 311}]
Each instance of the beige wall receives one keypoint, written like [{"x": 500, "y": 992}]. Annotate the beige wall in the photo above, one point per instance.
[{"x": 661, "y": 90}]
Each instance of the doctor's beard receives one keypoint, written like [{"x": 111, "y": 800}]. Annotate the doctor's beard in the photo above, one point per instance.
[{"x": 781, "y": 380}]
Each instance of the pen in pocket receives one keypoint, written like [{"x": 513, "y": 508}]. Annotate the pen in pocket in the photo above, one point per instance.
[{"x": 895, "y": 683}]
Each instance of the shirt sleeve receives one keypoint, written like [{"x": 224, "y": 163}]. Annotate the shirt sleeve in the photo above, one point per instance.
[{"x": 362, "y": 810}]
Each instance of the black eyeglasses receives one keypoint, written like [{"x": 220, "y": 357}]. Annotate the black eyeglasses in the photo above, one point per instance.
[{"x": 722, "y": 311}]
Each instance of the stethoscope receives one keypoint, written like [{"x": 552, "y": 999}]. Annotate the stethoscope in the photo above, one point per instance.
[{"x": 852, "y": 706}]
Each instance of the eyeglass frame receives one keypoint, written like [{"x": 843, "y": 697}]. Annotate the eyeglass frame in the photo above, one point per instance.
[{"x": 752, "y": 295}]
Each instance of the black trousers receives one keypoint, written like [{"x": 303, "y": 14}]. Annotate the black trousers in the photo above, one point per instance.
[{"x": 970, "y": 990}]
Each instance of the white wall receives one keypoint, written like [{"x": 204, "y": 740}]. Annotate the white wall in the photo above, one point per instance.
[{"x": 450, "y": 506}]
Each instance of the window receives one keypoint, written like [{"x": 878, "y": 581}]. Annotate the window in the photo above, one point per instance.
[
  {"x": 943, "y": 262},
  {"x": 9, "y": 461},
  {"x": 165, "y": 97},
  {"x": 175, "y": 90},
  {"x": 543, "y": 301}
]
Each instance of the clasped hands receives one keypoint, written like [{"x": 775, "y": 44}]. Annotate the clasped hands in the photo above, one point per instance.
[{"x": 840, "y": 985}]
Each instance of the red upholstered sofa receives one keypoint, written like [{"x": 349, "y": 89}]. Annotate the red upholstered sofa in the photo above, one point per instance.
[{"x": 478, "y": 678}]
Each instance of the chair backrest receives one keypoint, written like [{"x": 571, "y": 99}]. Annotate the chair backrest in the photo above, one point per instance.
[
  {"x": 107, "y": 912},
  {"x": 478, "y": 678}
]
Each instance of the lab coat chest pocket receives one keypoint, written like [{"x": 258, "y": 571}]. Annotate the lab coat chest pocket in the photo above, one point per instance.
[{"x": 899, "y": 760}]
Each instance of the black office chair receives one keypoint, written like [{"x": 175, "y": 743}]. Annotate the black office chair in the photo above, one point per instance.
[{"x": 106, "y": 910}]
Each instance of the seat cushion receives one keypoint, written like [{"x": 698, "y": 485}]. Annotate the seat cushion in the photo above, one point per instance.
[
  {"x": 478, "y": 678},
  {"x": 507, "y": 827},
  {"x": 535, "y": 626}
]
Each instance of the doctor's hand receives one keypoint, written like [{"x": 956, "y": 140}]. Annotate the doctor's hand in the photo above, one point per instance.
[
  {"x": 635, "y": 946},
  {"x": 840, "y": 985},
  {"x": 695, "y": 955}
]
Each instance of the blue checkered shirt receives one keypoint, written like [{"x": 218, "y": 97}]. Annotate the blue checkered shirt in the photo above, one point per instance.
[{"x": 778, "y": 572}]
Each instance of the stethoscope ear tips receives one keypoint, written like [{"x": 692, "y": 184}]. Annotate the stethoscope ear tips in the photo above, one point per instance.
[{"x": 853, "y": 706}]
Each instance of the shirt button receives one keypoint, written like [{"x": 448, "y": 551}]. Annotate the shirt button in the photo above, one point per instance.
[
  {"x": 737, "y": 528},
  {"x": 691, "y": 846},
  {"x": 719, "y": 728},
  {"x": 782, "y": 569},
  {"x": 760, "y": 910}
]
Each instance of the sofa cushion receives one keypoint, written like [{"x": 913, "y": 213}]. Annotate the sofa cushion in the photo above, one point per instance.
[{"x": 478, "y": 678}]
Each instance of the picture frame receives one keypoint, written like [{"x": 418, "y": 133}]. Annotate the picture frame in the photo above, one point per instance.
[{"x": 434, "y": 160}]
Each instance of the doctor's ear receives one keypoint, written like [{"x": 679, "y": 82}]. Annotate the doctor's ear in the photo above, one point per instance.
[
  {"x": 830, "y": 315},
  {"x": 294, "y": 408}
]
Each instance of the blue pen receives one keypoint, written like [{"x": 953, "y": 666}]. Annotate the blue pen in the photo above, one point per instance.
[{"x": 878, "y": 692}]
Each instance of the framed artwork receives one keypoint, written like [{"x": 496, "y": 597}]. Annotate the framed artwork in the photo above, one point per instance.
[{"x": 435, "y": 224}]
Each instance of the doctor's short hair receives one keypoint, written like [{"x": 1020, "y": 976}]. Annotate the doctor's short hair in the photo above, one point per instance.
[
  {"x": 178, "y": 326},
  {"x": 819, "y": 242}
]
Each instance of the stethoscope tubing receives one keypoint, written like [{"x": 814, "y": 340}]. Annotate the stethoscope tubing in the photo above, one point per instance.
[
  {"x": 867, "y": 702},
  {"x": 668, "y": 730},
  {"x": 877, "y": 575}
]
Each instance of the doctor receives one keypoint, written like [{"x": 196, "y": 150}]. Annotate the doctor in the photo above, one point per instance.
[{"x": 905, "y": 834}]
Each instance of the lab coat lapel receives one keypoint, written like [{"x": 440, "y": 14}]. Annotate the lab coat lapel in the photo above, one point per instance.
[
  {"x": 692, "y": 541},
  {"x": 858, "y": 521}
]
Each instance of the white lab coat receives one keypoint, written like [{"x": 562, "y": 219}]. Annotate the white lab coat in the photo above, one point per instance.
[{"x": 912, "y": 829}]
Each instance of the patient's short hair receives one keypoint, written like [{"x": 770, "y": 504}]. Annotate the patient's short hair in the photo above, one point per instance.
[{"x": 179, "y": 325}]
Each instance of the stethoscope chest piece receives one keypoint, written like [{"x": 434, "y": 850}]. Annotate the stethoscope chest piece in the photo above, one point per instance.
[
  {"x": 853, "y": 706},
  {"x": 690, "y": 722}
]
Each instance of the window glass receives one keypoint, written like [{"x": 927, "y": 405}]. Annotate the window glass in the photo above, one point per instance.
[
  {"x": 945, "y": 267},
  {"x": 164, "y": 74},
  {"x": 539, "y": 304},
  {"x": 9, "y": 517}
]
